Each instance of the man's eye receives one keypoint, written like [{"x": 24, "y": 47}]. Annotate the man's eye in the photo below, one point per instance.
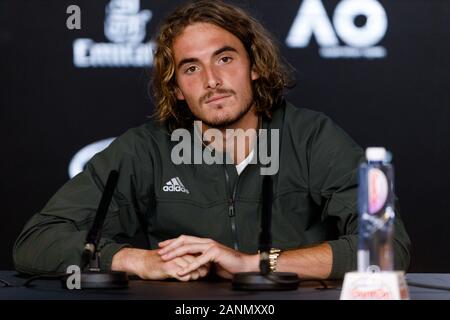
[
  {"x": 225, "y": 59},
  {"x": 191, "y": 69}
]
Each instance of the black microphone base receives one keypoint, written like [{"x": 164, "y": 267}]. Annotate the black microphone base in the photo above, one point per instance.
[
  {"x": 101, "y": 280},
  {"x": 254, "y": 281}
]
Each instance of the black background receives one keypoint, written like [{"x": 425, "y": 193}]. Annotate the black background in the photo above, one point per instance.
[{"x": 50, "y": 109}]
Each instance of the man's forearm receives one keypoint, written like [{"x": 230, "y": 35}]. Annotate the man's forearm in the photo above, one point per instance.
[{"x": 309, "y": 263}]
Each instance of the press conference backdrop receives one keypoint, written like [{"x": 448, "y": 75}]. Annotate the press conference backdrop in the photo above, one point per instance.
[{"x": 380, "y": 69}]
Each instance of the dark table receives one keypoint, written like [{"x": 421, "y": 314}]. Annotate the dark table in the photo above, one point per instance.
[{"x": 212, "y": 289}]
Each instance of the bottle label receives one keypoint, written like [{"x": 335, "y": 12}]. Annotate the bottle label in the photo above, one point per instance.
[{"x": 378, "y": 190}]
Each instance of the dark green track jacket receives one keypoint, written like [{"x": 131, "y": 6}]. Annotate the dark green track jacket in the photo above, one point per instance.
[{"x": 314, "y": 198}]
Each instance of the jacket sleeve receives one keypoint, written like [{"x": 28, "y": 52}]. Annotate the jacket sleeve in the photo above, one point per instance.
[
  {"x": 54, "y": 238},
  {"x": 334, "y": 158}
]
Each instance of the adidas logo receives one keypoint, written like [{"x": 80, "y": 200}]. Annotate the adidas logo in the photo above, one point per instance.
[{"x": 175, "y": 185}]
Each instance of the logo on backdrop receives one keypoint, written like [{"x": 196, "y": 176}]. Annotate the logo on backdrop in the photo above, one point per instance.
[
  {"x": 359, "y": 24},
  {"x": 80, "y": 159},
  {"x": 125, "y": 26}
]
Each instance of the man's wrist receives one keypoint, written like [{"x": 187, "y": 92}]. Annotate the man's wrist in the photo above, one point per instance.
[
  {"x": 252, "y": 263},
  {"x": 118, "y": 260}
]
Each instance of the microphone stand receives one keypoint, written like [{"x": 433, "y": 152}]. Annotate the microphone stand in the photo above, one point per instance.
[
  {"x": 265, "y": 279},
  {"x": 94, "y": 278}
]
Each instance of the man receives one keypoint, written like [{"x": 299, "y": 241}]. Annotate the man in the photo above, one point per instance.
[{"x": 214, "y": 64}]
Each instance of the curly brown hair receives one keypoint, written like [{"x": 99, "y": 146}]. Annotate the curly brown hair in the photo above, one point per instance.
[{"x": 274, "y": 74}]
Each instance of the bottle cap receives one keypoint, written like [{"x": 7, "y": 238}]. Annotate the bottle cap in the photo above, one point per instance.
[{"x": 376, "y": 154}]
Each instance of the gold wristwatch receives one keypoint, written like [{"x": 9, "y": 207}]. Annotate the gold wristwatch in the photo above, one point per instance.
[{"x": 273, "y": 258}]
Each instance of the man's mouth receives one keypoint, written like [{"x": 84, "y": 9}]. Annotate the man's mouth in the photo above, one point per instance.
[{"x": 217, "y": 98}]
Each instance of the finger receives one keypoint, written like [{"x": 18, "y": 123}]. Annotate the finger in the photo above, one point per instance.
[
  {"x": 181, "y": 262},
  {"x": 175, "y": 243},
  {"x": 188, "y": 258},
  {"x": 195, "y": 275},
  {"x": 203, "y": 271},
  {"x": 183, "y": 278},
  {"x": 185, "y": 249},
  {"x": 170, "y": 241},
  {"x": 172, "y": 244},
  {"x": 166, "y": 242},
  {"x": 172, "y": 267},
  {"x": 199, "y": 261}
]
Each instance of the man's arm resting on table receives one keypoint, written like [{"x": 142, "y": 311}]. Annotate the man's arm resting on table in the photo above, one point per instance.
[
  {"x": 147, "y": 264},
  {"x": 313, "y": 262}
]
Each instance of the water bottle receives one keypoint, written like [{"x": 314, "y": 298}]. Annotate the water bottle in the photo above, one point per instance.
[{"x": 376, "y": 212}]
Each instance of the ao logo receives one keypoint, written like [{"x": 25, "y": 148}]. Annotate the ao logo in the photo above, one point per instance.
[
  {"x": 312, "y": 19},
  {"x": 84, "y": 155},
  {"x": 125, "y": 26}
]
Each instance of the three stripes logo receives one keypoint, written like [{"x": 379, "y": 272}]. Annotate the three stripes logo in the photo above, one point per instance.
[{"x": 175, "y": 185}]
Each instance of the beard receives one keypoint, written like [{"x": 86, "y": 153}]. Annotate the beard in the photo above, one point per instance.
[{"x": 222, "y": 122}]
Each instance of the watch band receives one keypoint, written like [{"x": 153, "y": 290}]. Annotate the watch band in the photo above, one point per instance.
[{"x": 274, "y": 253}]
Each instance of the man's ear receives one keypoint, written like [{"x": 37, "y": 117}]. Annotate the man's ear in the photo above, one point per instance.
[
  {"x": 179, "y": 94},
  {"x": 254, "y": 73}
]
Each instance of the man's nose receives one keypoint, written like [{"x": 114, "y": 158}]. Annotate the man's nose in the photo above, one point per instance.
[{"x": 212, "y": 79}]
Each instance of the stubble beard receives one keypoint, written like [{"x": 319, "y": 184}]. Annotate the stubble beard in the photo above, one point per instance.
[{"x": 221, "y": 124}]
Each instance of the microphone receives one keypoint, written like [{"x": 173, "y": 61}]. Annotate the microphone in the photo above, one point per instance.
[
  {"x": 94, "y": 278},
  {"x": 265, "y": 279},
  {"x": 265, "y": 237}
]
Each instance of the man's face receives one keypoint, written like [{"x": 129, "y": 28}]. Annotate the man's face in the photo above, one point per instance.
[{"x": 213, "y": 74}]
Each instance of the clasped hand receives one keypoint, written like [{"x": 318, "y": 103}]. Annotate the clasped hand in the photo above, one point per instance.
[{"x": 206, "y": 252}]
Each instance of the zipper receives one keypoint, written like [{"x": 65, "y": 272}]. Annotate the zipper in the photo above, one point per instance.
[{"x": 231, "y": 208}]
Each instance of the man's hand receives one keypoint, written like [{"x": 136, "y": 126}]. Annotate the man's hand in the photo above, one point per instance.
[
  {"x": 147, "y": 264},
  {"x": 172, "y": 268},
  {"x": 227, "y": 260}
]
